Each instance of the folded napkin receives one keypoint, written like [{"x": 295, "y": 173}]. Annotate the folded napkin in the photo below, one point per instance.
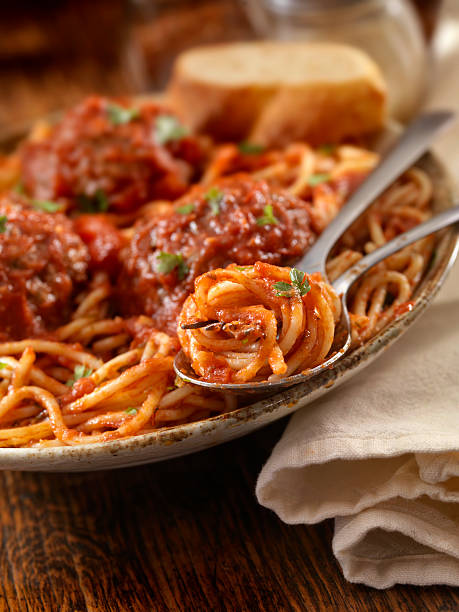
[{"x": 380, "y": 454}]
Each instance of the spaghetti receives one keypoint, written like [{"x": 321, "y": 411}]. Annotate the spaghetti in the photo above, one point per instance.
[
  {"x": 100, "y": 368},
  {"x": 270, "y": 320}
]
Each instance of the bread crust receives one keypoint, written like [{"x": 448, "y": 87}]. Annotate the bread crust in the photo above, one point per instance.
[{"x": 275, "y": 110}]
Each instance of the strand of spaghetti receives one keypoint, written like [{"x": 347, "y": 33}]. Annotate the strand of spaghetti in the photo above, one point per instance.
[
  {"x": 72, "y": 329},
  {"x": 91, "y": 300},
  {"x": 110, "y": 344},
  {"x": 305, "y": 170},
  {"x": 41, "y": 397},
  {"x": 98, "y": 328},
  {"x": 110, "y": 368},
  {"x": 174, "y": 414},
  {"x": 177, "y": 395},
  {"x": 133, "y": 425},
  {"x": 53, "y": 348},
  {"x": 24, "y": 434},
  {"x": 21, "y": 372},
  {"x": 37, "y": 376},
  {"x": 148, "y": 367}
]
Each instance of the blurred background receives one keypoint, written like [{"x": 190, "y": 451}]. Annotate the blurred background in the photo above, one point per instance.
[{"x": 54, "y": 52}]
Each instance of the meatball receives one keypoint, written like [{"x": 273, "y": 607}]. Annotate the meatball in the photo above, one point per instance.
[
  {"x": 41, "y": 260},
  {"x": 111, "y": 154},
  {"x": 238, "y": 220}
]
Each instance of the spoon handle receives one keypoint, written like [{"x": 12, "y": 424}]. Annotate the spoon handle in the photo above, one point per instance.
[
  {"x": 448, "y": 217},
  {"x": 414, "y": 141}
]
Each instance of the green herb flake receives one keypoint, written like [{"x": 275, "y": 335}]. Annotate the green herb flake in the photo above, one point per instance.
[
  {"x": 215, "y": 199},
  {"x": 268, "y": 217},
  {"x": 171, "y": 388},
  {"x": 243, "y": 268},
  {"x": 185, "y": 210},
  {"x": 299, "y": 285},
  {"x": 250, "y": 148},
  {"x": 131, "y": 411},
  {"x": 119, "y": 115},
  {"x": 3, "y": 220},
  {"x": 47, "y": 206},
  {"x": 300, "y": 281},
  {"x": 80, "y": 371},
  {"x": 317, "y": 179},
  {"x": 327, "y": 149},
  {"x": 168, "y": 129},
  {"x": 245, "y": 341},
  {"x": 283, "y": 289},
  {"x": 3, "y": 365},
  {"x": 19, "y": 188},
  {"x": 97, "y": 203},
  {"x": 167, "y": 262}
]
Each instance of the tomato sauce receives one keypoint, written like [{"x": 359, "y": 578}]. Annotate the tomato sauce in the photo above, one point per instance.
[
  {"x": 103, "y": 239},
  {"x": 238, "y": 220}
]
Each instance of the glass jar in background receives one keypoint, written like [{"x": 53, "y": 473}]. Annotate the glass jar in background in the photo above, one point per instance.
[{"x": 388, "y": 30}]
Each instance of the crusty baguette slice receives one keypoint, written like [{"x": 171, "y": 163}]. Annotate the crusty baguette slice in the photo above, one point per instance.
[{"x": 275, "y": 92}]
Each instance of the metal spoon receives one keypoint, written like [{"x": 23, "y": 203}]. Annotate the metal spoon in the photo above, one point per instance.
[
  {"x": 341, "y": 285},
  {"x": 410, "y": 146}
]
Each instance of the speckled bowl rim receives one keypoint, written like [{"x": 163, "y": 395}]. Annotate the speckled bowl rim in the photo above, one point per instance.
[{"x": 222, "y": 428}]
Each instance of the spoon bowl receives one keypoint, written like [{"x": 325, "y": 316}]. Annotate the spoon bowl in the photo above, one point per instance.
[{"x": 182, "y": 367}]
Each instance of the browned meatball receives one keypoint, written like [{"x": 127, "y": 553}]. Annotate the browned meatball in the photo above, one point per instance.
[
  {"x": 41, "y": 260},
  {"x": 238, "y": 220},
  {"x": 111, "y": 154}
]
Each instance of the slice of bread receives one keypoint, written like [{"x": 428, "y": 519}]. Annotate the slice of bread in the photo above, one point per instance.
[{"x": 276, "y": 92}]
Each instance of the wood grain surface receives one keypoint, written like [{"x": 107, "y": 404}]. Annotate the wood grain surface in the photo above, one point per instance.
[
  {"x": 183, "y": 535},
  {"x": 187, "y": 534}
]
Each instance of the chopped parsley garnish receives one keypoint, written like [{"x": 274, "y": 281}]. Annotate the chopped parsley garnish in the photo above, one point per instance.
[
  {"x": 245, "y": 341},
  {"x": 250, "y": 148},
  {"x": 80, "y": 371},
  {"x": 131, "y": 411},
  {"x": 169, "y": 128},
  {"x": 326, "y": 149},
  {"x": 215, "y": 199},
  {"x": 3, "y": 220},
  {"x": 316, "y": 179},
  {"x": 2, "y": 365},
  {"x": 298, "y": 286},
  {"x": 119, "y": 115},
  {"x": 47, "y": 206},
  {"x": 243, "y": 268},
  {"x": 268, "y": 217},
  {"x": 93, "y": 204},
  {"x": 167, "y": 262},
  {"x": 19, "y": 187},
  {"x": 186, "y": 209}
]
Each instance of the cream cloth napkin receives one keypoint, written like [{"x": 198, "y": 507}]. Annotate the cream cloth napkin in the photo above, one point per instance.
[{"x": 380, "y": 454}]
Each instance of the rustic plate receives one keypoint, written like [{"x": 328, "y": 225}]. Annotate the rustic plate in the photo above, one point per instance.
[{"x": 184, "y": 439}]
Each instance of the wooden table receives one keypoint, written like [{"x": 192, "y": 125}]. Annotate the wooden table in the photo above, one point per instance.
[{"x": 183, "y": 535}]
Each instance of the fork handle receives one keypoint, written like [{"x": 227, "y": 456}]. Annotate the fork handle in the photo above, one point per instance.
[
  {"x": 414, "y": 141},
  {"x": 438, "y": 222}
]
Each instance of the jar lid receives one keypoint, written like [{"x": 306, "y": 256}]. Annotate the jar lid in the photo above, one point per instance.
[{"x": 298, "y": 6}]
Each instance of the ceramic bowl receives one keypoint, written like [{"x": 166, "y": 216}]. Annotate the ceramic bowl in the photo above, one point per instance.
[{"x": 181, "y": 440}]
